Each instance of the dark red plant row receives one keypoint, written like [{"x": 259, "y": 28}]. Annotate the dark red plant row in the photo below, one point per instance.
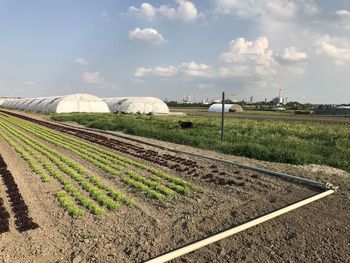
[
  {"x": 4, "y": 218},
  {"x": 19, "y": 208}
]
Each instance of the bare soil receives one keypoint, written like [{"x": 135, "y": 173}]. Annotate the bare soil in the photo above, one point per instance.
[{"x": 225, "y": 196}]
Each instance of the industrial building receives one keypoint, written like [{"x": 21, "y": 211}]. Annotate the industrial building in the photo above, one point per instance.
[
  {"x": 142, "y": 105},
  {"x": 217, "y": 107},
  {"x": 59, "y": 104}
]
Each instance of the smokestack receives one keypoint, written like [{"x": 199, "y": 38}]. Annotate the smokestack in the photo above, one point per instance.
[{"x": 280, "y": 100}]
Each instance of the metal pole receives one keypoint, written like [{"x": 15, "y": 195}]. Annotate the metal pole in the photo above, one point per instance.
[{"x": 222, "y": 115}]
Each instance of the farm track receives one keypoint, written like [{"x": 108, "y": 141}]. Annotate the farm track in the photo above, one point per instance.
[
  {"x": 134, "y": 235},
  {"x": 23, "y": 221}
]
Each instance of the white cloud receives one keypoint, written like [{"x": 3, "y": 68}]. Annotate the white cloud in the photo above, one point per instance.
[
  {"x": 261, "y": 8},
  {"x": 146, "y": 10},
  {"x": 343, "y": 19},
  {"x": 196, "y": 70},
  {"x": 245, "y": 61},
  {"x": 81, "y": 61},
  {"x": 185, "y": 11},
  {"x": 167, "y": 71},
  {"x": 189, "y": 69},
  {"x": 147, "y": 34},
  {"x": 291, "y": 54},
  {"x": 106, "y": 16},
  {"x": 343, "y": 14},
  {"x": 93, "y": 78},
  {"x": 255, "y": 54},
  {"x": 327, "y": 45}
]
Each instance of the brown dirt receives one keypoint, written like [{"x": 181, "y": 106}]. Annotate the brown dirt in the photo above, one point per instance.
[{"x": 317, "y": 232}]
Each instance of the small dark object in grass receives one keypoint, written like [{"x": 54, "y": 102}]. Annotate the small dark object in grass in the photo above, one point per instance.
[
  {"x": 230, "y": 182},
  {"x": 186, "y": 124},
  {"x": 208, "y": 176},
  {"x": 240, "y": 183},
  {"x": 222, "y": 181}
]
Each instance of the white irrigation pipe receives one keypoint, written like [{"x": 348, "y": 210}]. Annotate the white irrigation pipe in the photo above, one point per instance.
[{"x": 209, "y": 240}]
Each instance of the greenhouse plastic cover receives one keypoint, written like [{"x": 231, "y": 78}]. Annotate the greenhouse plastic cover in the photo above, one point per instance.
[
  {"x": 227, "y": 107},
  {"x": 143, "y": 105},
  {"x": 59, "y": 104}
]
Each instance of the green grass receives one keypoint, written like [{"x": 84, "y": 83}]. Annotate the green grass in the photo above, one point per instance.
[{"x": 270, "y": 140}]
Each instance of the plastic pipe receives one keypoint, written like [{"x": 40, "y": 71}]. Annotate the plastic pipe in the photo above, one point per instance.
[{"x": 209, "y": 240}]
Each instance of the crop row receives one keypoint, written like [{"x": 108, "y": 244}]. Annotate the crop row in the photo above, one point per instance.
[
  {"x": 108, "y": 155},
  {"x": 190, "y": 166},
  {"x": 145, "y": 188},
  {"x": 70, "y": 167},
  {"x": 4, "y": 218},
  {"x": 105, "y": 160},
  {"x": 37, "y": 168},
  {"x": 89, "y": 183}
]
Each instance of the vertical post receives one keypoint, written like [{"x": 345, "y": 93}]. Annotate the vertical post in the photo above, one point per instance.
[{"x": 222, "y": 115}]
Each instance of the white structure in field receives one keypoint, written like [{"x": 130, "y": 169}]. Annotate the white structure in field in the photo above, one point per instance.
[
  {"x": 217, "y": 107},
  {"x": 59, "y": 104},
  {"x": 142, "y": 105}
]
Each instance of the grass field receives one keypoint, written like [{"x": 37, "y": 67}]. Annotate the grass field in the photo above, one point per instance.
[{"x": 270, "y": 140}]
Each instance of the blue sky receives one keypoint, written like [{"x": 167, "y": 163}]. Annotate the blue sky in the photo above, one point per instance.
[{"x": 169, "y": 49}]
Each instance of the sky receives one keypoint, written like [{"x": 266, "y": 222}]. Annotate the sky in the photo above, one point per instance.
[{"x": 171, "y": 49}]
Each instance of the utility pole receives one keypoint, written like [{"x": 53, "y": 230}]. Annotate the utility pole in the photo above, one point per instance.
[{"x": 222, "y": 116}]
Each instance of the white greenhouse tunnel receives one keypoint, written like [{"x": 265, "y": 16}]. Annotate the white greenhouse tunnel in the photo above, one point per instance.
[
  {"x": 227, "y": 108},
  {"x": 142, "y": 105},
  {"x": 59, "y": 104}
]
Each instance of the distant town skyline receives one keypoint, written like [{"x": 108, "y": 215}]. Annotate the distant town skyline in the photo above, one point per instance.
[{"x": 170, "y": 48}]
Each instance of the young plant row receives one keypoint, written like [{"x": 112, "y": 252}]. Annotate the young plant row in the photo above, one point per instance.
[
  {"x": 143, "y": 184},
  {"x": 73, "y": 170},
  {"x": 26, "y": 153},
  {"x": 122, "y": 161},
  {"x": 104, "y": 162},
  {"x": 27, "y": 157},
  {"x": 81, "y": 170}
]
